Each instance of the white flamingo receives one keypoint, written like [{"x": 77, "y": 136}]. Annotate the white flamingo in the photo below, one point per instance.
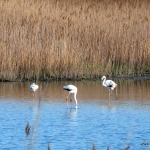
[
  {"x": 72, "y": 90},
  {"x": 34, "y": 87},
  {"x": 111, "y": 85}
]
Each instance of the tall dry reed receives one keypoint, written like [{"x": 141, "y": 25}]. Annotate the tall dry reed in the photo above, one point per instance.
[{"x": 55, "y": 39}]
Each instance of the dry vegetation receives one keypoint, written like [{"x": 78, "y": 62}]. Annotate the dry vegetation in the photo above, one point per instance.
[{"x": 55, "y": 39}]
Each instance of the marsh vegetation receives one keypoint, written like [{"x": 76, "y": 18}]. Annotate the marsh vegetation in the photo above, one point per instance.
[{"x": 74, "y": 39}]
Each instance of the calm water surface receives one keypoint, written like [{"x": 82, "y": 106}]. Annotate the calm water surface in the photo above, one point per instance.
[{"x": 116, "y": 123}]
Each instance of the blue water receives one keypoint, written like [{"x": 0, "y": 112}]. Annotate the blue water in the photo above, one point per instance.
[{"x": 98, "y": 121}]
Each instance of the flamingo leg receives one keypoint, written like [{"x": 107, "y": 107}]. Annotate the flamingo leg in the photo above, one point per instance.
[
  {"x": 116, "y": 94},
  {"x": 109, "y": 94},
  {"x": 109, "y": 98},
  {"x": 33, "y": 95},
  {"x": 67, "y": 99}
]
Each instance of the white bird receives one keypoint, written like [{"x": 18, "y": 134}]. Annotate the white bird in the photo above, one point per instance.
[
  {"x": 72, "y": 90},
  {"x": 111, "y": 85},
  {"x": 34, "y": 87}
]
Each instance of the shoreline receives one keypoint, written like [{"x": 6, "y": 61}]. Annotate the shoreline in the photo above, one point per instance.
[{"x": 81, "y": 79}]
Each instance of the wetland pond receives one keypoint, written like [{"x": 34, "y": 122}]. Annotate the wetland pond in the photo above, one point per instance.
[{"x": 116, "y": 123}]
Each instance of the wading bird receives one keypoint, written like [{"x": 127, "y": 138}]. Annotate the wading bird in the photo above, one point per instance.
[
  {"x": 72, "y": 90},
  {"x": 34, "y": 87},
  {"x": 111, "y": 85}
]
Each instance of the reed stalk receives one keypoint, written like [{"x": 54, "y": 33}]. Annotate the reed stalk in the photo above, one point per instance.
[
  {"x": 49, "y": 147},
  {"x": 27, "y": 131},
  {"x": 93, "y": 147}
]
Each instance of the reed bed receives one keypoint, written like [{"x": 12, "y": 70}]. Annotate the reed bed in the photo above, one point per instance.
[{"x": 74, "y": 39}]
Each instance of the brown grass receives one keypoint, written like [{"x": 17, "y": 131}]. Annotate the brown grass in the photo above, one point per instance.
[{"x": 74, "y": 39}]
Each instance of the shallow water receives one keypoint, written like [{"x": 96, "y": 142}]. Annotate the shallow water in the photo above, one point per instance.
[{"x": 116, "y": 123}]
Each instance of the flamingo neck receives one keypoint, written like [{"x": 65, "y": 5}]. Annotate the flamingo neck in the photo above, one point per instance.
[
  {"x": 104, "y": 81},
  {"x": 75, "y": 98}
]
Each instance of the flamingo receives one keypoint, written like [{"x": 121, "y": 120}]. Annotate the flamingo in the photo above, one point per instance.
[
  {"x": 111, "y": 85},
  {"x": 72, "y": 90},
  {"x": 34, "y": 87}
]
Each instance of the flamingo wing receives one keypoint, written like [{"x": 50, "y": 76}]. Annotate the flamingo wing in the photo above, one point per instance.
[
  {"x": 69, "y": 88},
  {"x": 109, "y": 83}
]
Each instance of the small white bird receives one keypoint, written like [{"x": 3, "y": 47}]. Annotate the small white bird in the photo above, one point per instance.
[
  {"x": 111, "y": 85},
  {"x": 34, "y": 87},
  {"x": 72, "y": 90}
]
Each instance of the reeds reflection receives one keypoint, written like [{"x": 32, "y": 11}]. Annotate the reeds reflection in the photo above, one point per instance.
[{"x": 87, "y": 90}]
